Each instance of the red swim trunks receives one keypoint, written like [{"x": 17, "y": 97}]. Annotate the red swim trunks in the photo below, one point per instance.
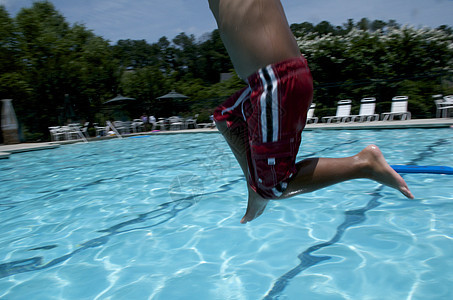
[{"x": 271, "y": 113}]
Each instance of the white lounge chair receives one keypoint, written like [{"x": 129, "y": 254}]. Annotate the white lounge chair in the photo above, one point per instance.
[
  {"x": 56, "y": 133},
  {"x": 208, "y": 125},
  {"x": 72, "y": 131},
  {"x": 84, "y": 129},
  {"x": 176, "y": 123},
  {"x": 399, "y": 108},
  {"x": 343, "y": 112},
  {"x": 100, "y": 130},
  {"x": 443, "y": 105},
  {"x": 111, "y": 127},
  {"x": 191, "y": 122},
  {"x": 161, "y": 123},
  {"x": 121, "y": 126},
  {"x": 311, "y": 114},
  {"x": 366, "y": 113},
  {"x": 137, "y": 125}
]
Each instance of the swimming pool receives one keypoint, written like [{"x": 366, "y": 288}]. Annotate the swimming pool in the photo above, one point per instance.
[{"x": 157, "y": 217}]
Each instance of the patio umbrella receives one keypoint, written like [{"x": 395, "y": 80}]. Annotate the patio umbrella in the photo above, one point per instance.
[
  {"x": 173, "y": 95},
  {"x": 118, "y": 109},
  {"x": 172, "y": 102},
  {"x": 118, "y": 99}
]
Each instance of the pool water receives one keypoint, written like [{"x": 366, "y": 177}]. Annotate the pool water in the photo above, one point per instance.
[{"x": 157, "y": 217}]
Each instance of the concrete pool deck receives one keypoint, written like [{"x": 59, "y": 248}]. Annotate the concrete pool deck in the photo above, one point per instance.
[{"x": 7, "y": 150}]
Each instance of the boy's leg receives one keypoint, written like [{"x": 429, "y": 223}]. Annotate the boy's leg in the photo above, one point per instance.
[
  {"x": 237, "y": 140},
  {"x": 316, "y": 173}
]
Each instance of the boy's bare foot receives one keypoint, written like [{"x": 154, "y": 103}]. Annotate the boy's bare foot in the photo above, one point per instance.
[
  {"x": 255, "y": 206},
  {"x": 377, "y": 168},
  {"x": 369, "y": 163}
]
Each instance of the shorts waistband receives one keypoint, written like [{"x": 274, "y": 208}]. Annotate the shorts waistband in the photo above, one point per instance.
[{"x": 286, "y": 66}]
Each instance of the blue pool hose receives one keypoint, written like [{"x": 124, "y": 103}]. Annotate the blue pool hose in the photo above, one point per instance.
[{"x": 423, "y": 169}]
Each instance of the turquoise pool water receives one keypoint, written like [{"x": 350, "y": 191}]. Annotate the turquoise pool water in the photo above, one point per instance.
[{"x": 158, "y": 218}]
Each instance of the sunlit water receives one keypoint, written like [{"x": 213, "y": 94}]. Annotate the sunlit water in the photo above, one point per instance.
[{"x": 158, "y": 218}]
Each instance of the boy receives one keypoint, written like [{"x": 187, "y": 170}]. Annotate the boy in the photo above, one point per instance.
[{"x": 263, "y": 122}]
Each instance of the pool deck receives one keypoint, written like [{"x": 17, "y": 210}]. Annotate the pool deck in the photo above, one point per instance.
[{"x": 7, "y": 150}]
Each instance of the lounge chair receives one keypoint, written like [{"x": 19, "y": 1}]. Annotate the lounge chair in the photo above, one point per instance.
[
  {"x": 111, "y": 127},
  {"x": 100, "y": 130},
  {"x": 191, "y": 122},
  {"x": 366, "y": 113},
  {"x": 128, "y": 127},
  {"x": 207, "y": 125},
  {"x": 399, "y": 108},
  {"x": 443, "y": 105},
  {"x": 161, "y": 123},
  {"x": 310, "y": 115},
  {"x": 71, "y": 131},
  {"x": 175, "y": 123},
  {"x": 121, "y": 127},
  {"x": 137, "y": 125},
  {"x": 84, "y": 129},
  {"x": 68, "y": 132},
  {"x": 56, "y": 133},
  {"x": 343, "y": 112}
]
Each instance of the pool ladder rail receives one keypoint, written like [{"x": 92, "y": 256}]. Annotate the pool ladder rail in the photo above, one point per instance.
[{"x": 110, "y": 125}]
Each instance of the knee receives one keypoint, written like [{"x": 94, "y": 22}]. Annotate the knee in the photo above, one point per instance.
[
  {"x": 221, "y": 126},
  {"x": 274, "y": 193}
]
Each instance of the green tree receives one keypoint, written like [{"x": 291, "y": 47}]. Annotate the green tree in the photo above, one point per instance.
[
  {"x": 377, "y": 25},
  {"x": 364, "y": 24},
  {"x": 213, "y": 59},
  {"x": 135, "y": 54},
  {"x": 302, "y": 28},
  {"x": 447, "y": 29},
  {"x": 58, "y": 59},
  {"x": 91, "y": 73},
  {"x": 145, "y": 84},
  {"x": 43, "y": 58},
  {"x": 324, "y": 28},
  {"x": 9, "y": 53},
  {"x": 186, "y": 55},
  {"x": 11, "y": 83},
  {"x": 348, "y": 26},
  {"x": 382, "y": 64},
  {"x": 41, "y": 30}
]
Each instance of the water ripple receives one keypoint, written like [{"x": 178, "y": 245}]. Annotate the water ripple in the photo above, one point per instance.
[{"x": 352, "y": 217}]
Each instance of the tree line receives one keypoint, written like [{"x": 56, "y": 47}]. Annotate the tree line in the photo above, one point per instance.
[
  {"x": 377, "y": 59},
  {"x": 57, "y": 72}
]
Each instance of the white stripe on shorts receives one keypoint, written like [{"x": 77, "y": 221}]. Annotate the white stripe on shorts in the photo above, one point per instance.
[
  {"x": 275, "y": 104},
  {"x": 274, "y": 117},
  {"x": 263, "y": 107}
]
